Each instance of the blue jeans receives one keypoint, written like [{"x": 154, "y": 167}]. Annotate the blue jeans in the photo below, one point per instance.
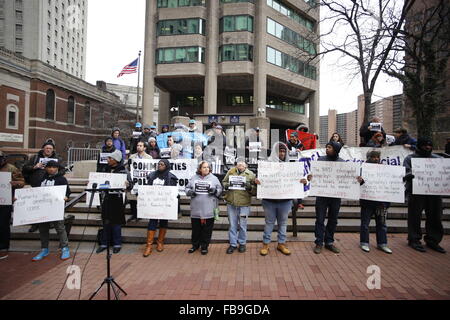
[
  {"x": 153, "y": 224},
  {"x": 113, "y": 233},
  {"x": 324, "y": 204},
  {"x": 237, "y": 217},
  {"x": 381, "y": 228},
  {"x": 278, "y": 211}
]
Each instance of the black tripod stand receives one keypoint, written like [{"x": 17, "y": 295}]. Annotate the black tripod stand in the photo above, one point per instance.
[{"x": 109, "y": 280}]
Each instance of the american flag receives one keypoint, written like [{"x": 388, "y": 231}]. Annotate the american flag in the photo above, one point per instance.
[{"x": 129, "y": 68}]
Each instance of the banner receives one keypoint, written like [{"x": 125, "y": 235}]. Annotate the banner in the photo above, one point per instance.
[
  {"x": 5, "y": 189},
  {"x": 157, "y": 202},
  {"x": 383, "y": 183},
  {"x": 38, "y": 205},
  {"x": 183, "y": 169},
  {"x": 116, "y": 180},
  {"x": 308, "y": 140},
  {"x": 431, "y": 176},
  {"x": 280, "y": 180},
  {"x": 335, "y": 179}
]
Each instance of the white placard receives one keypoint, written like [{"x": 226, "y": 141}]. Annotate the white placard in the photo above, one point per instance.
[
  {"x": 237, "y": 182},
  {"x": 335, "y": 179},
  {"x": 280, "y": 180},
  {"x": 376, "y": 126},
  {"x": 157, "y": 202},
  {"x": 165, "y": 153},
  {"x": 5, "y": 189},
  {"x": 136, "y": 134},
  {"x": 201, "y": 186},
  {"x": 254, "y": 146},
  {"x": 431, "y": 176},
  {"x": 183, "y": 169},
  {"x": 38, "y": 205},
  {"x": 10, "y": 137},
  {"x": 383, "y": 183},
  {"x": 116, "y": 180},
  {"x": 104, "y": 158},
  {"x": 45, "y": 160}
]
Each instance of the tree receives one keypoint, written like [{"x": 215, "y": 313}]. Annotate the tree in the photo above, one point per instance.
[
  {"x": 364, "y": 31},
  {"x": 419, "y": 59}
]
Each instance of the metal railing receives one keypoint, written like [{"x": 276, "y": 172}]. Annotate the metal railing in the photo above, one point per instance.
[{"x": 81, "y": 154}]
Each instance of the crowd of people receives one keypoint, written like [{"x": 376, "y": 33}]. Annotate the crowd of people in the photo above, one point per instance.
[{"x": 205, "y": 191}]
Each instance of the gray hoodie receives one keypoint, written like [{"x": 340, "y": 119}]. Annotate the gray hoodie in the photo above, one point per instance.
[{"x": 203, "y": 204}]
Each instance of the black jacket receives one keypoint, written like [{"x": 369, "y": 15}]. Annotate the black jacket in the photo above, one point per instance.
[
  {"x": 56, "y": 180},
  {"x": 34, "y": 176}
]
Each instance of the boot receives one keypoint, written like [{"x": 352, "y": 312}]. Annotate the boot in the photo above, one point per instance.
[
  {"x": 150, "y": 237},
  {"x": 160, "y": 241},
  {"x": 283, "y": 249},
  {"x": 265, "y": 250}
]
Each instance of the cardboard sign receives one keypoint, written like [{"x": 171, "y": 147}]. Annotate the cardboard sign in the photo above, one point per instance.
[
  {"x": 237, "y": 182},
  {"x": 280, "y": 180},
  {"x": 376, "y": 126},
  {"x": 5, "y": 189},
  {"x": 38, "y": 205},
  {"x": 431, "y": 176},
  {"x": 45, "y": 160},
  {"x": 104, "y": 158},
  {"x": 201, "y": 187},
  {"x": 157, "y": 202},
  {"x": 116, "y": 180},
  {"x": 383, "y": 183},
  {"x": 335, "y": 179}
]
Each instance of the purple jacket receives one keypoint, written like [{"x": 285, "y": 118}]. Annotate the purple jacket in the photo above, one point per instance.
[{"x": 120, "y": 145}]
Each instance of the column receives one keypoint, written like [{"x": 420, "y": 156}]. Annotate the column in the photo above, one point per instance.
[
  {"x": 212, "y": 50},
  {"x": 260, "y": 76},
  {"x": 149, "y": 62}
]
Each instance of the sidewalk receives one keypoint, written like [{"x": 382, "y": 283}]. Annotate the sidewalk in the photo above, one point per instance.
[{"x": 176, "y": 275}]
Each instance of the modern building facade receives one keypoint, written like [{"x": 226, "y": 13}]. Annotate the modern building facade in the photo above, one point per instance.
[
  {"x": 38, "y": 102},
  {"x": 243, "y": 63},
  {"x": 52, "y": 31}
]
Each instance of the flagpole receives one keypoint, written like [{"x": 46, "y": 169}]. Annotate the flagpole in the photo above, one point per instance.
[{"x": 139, "y": 78}]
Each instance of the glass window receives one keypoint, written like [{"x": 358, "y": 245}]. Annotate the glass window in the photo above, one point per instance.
[
  {"x": 169, "y": 55},
  {"x": 236, "y": 23},
  {"x": 180, "y": 55},
  {"x": 50, "y": 105},
  {"x": 70, "y": 110},
  {"x": 271, "y": 26},
  {"x": 271, "y": 53},
  {"x": 192, "y": 54},
  {"x": 172, "y": 3},
  {"x": 228, "y": 24},
  {"x": 87, "y": 114},
  {"x": 193, "y": 26},
  {"x": 241, "y": 23},
  {"x": 228, "y": 53}
]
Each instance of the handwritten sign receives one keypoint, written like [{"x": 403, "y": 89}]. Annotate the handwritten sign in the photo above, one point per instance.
[
  {"x": 5, "y": 189},
  {"x": 38, "y": 205},
  {"x": 183, "y": 169},
  {"x": 280, "y": 180},
  {"x": 335, "y": 179},
  {"x": 383, "y": 183},
  {"x": 157, "y": 202},
  {"x": 116, "y": 180},
  {"x": 45, "y": 160},
  {"x": 237, "y": 182},
  {"x": 431, "y": 176}
]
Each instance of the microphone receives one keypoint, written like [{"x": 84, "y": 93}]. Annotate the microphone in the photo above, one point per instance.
[
  {"x": 106, "y": 185},
  {"x": 94, "y": 186}
]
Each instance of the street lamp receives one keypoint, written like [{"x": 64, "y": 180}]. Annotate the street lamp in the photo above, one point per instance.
[{"x": 175, "y": 109}]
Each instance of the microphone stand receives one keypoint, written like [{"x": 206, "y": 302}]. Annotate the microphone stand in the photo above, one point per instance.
[{"x": 109, "y": 280}]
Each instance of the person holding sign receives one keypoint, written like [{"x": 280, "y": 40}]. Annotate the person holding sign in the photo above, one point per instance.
[
  {"x": 113, "y": 208},
  {"x": 160, "y": 177},
  {"x": 240, "y": 185},
  {"x": 376, "y": 208},
  {"x": 135, "y": 137},
  {"x": 367, "y": 130},
  {"x": 16, "y": 182},
  {"x": 102, "y": 161},
  {"x": 295, "y": 145},
  {"x": 141, "y": 147},
  {"x": 53, "y": 177},
  {"x": 324, "y": 204},
  {"x": 276, "y": 209},
  {"x": 377, "y": 141},
  {"x": 204, "y": 189},
  {"x": 432, "y": 204}
]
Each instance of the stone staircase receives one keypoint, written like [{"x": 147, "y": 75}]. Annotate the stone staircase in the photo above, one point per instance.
[{"x": 87, "y": 222}]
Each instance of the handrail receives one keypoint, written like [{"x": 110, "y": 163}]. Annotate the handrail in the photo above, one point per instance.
[{"x": 74, "y": 201}]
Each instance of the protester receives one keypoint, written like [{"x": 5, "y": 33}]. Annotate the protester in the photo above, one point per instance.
[
  {"x": 378, "y": 209},
  {"x": 324, "y": 204},
  {"x": 175, "y": 149},
  {"x": 160, "y": 177},
  {"x": 53, "y": 177},
  {"x": 119, "y": 143},
  {"x": 153, "y": 149},
  {"x": 402, "y": 138},
  {"x": 366, "y": 131},
  {"x": 135, "y": 138},
  {"x": 432, "y": 204},
  {"x": 336, "y": 137},
  {"x": 164, "y": 128},
  {"x": 239, "y": 204},
  {"x": 108, "y": 147},
  {"x": 17, "y": 182},
  {"x": 132, "y": 198},
  {"x": 204, "y": 189},
  {"x": 276, "y": 209},
  {"x": 294, "y": 145},
  {"x": 377, "y": 141},
  {"x": 153, "y": 131},
  {"x": 113, "y": 208}
]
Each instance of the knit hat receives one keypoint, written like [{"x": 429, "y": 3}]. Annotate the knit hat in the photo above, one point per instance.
[
  {"x": 48, "y": 143},
  {"x": 116, "y": 155},
  {"x": 424, "y": 141},
  {"x": 147, "y": 126},
  {"x": 52, "y": 164},
  {"x": 335, "y": 145}
]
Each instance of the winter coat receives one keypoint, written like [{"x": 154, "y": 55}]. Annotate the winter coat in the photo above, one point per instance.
[
  {"x": 101, "y": 167},
  {"x": 240, "y": 198},
  {"x": 34, "y": 176},
  {"x": 407, "y": 164},
  {"x": 154, "y": 152},
  {"x": 165, "y": 178},
  {"x": 366, "y": 134},
  {"x": 203, "y": 204},
  {"x": 16, "y": 175},
  {"x": 120, "y": 145},
  {"x": 405, "y": 139},
  {"x": 113, "y": 208}
]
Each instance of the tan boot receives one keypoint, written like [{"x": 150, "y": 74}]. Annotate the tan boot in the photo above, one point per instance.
[
  {"x": 160, "y": 242},
  {"x": 265, "y": 250},
  {"x": 148, "y": 248},
  {"x": 284, "y": 250}
]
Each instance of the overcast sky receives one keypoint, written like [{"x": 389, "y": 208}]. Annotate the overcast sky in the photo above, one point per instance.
[{"x": 116, "y": 34}]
